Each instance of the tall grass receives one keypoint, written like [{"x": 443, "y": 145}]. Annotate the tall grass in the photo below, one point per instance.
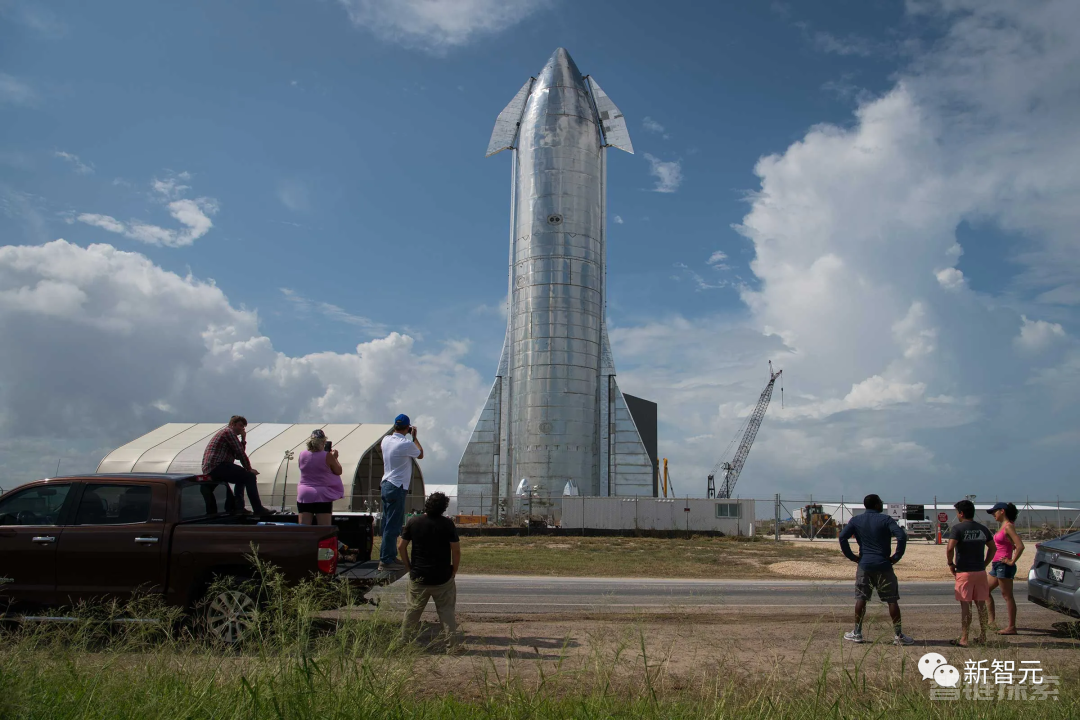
[{"x": 298, "y": 664}]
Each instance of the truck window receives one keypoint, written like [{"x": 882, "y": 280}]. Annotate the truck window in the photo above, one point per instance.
[
  {"x": 114, "y": 504},
  {"x": 34, "y": 506},
  {"x": 204, "y": 499}
]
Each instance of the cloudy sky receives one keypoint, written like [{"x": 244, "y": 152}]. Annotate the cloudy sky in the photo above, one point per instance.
[{"x": 282, "y": 209}]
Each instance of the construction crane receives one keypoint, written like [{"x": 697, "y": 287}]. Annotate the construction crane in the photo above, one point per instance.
[{"x": 732, "y": 469}]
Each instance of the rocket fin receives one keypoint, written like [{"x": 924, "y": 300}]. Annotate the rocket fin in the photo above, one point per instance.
[
  {"x": 607, "y": 362},
  {"x": 505, "y": 132},
  {"x": 478, "y": 469},
  {"x": 611, "y": 119},
  {"x": 632, "y": 468}
]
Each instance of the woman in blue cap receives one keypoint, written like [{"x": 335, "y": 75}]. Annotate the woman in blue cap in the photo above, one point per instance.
[{"x": 1003, "y": 569}]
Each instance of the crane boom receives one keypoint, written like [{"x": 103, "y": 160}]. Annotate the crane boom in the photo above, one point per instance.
[{"x": 734, "y": 468}]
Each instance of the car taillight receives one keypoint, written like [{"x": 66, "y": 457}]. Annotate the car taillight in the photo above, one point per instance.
[
  {"x": 202, "y": 478},
  {"x": 328, "y": 555}
]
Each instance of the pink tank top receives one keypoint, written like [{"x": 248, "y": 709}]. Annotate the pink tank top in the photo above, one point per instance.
[
  {"x": 317, "y": 482},
  {"x": 1004, "y": 544}
]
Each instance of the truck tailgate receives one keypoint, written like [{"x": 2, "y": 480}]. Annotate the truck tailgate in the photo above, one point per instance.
[{"x": 199, "y": 550}]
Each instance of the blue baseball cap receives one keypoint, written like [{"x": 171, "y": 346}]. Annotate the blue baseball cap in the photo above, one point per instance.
[
  {"x": 402, "y": 421},
  {"x": 998, "y": 506}
]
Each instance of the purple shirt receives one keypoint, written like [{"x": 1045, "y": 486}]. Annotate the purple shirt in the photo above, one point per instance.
[{"x": 317, "y": 482}]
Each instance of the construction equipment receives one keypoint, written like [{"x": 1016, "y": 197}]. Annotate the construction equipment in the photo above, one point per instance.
[
  {"x": 732, "y": 469},
  {"x": 816, "y": 523}
]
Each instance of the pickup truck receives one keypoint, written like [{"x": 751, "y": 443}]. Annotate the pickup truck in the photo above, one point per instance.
[{"x": 72, "y": 539}]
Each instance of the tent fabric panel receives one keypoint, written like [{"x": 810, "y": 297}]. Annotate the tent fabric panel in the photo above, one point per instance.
[
  {"x": 189, "y": 460},
  {"x": 160, "y": 457},
  {"x": 123, "y": 458}
]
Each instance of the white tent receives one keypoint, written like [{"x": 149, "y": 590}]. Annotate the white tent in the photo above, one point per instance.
[{"x": 178, "y": 448}]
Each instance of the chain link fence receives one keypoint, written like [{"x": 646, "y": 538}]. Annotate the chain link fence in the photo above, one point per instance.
[{"x": 780, "y": 517}]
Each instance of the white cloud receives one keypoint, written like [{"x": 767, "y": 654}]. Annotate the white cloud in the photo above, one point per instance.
[
  {"x": 618, "y": 220},
  {"x": 437, "y": 25},
  {"x": 851, "y": 226},
  {"x": 654, "y": 127},
  {"x": 192, "y": 214},
  {"x": 1037, "y": 335},
  {"x": 102, "y": 345},
  {"x": 293, "y": 195},
  {"x": 34, "y": 16},
  {"x": 898, "y": 374},
  {"x": 717, "y": 260},
  {"x": 699, "y": 282},
  {"x": 307, "y": 306},
  {"x": 950, "y": 278},
  {"x": 79, "y": 166},
  {"x": 16, "y": 92},
  {"x": 500, "y": 309},
  {"x": 668, "y": 174}
]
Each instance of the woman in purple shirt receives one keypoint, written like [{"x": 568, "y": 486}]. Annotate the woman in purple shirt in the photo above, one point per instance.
[{"x": 320, "y": 481}]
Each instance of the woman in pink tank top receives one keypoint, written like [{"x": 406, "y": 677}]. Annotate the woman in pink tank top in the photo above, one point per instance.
[
  {"x": 1003, "y": 568},
  {"x": 320, "y": 481}
]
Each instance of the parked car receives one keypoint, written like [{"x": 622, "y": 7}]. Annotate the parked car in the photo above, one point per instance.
[
  {"x": 106, "y": 537},
  {"x": 1054, "y": 579}
]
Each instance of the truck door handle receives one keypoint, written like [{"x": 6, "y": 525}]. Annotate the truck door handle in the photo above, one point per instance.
[
  {"x": 146, "y": 540},
  {"x": 43, "y": 539}
]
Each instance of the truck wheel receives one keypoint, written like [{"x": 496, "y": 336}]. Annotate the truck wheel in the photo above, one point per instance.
[{"x": 229, "y": 616}]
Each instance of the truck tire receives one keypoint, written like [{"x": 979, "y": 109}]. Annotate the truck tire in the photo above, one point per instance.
[{"x": 228, "y": 613}]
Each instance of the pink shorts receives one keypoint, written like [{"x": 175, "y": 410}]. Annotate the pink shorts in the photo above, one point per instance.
[{"x": 972, "y": 586}]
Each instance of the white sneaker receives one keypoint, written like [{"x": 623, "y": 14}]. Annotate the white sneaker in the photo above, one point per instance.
[
  {"x": 903, "y": 639},
  {"x": 855, "y": 637}
]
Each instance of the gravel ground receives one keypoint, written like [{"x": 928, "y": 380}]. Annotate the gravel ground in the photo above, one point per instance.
[{"x": 921, "y": 561}]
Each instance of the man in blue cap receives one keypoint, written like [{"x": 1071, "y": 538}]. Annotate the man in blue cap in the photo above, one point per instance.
[{"x": 398, "y": 453}]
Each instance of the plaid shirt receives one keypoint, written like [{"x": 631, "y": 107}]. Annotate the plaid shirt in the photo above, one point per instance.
[{"x": 225, "y": 446}]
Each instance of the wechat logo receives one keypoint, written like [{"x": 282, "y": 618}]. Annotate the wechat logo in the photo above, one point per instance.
[{"x": 934, "y": 666}]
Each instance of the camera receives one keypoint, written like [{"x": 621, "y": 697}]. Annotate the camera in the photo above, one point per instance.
[{"x": 327, "y": 446}]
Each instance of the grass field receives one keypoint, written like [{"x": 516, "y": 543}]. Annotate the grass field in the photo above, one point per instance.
[{"x": 697, "y": 557}]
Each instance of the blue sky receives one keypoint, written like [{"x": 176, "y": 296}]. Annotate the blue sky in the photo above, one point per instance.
[{"x": 321, "y": 164}]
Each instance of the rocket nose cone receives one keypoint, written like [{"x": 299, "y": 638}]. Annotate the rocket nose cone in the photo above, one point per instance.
[{"x": 561, "y": 70}]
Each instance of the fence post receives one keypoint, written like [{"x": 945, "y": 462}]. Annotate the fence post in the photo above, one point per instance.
[
  {"x": 582, "y": 516},
  {"x": 776, "y": 508},
  {"x": 1027, "y": 501},
  {"x": 1059, "y": 514}
]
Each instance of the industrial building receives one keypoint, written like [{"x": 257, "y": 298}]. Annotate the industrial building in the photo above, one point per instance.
[
  {"x": 729, "y": 516},
  {"x": 273, "y": 449}
]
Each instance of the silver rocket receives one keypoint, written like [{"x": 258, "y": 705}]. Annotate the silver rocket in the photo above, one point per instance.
[{"x": 555, "y": 413}]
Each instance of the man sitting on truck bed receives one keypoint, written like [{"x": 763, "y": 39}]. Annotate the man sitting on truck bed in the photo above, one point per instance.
[{"x": 227, "y": 446}]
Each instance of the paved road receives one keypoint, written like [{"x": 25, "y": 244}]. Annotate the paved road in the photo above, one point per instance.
[{"x": 535, "y": 595}]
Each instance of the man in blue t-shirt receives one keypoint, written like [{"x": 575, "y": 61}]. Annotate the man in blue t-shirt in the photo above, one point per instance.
[{"x": 874, "y": 530}]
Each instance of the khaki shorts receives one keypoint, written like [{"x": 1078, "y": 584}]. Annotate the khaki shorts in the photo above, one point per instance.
[{"x": 884, "y": 581}]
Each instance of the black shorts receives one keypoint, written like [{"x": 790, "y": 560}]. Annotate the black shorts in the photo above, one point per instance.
[
  {"x": 316, "y": 508},
  {"x": 884, "y": 581}
]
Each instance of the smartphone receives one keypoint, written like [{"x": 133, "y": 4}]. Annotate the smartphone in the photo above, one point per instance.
[{"x": 327, "y": 446}]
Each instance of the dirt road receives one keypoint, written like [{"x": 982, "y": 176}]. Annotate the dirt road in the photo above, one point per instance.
[{"x": 706, "y": 651}]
